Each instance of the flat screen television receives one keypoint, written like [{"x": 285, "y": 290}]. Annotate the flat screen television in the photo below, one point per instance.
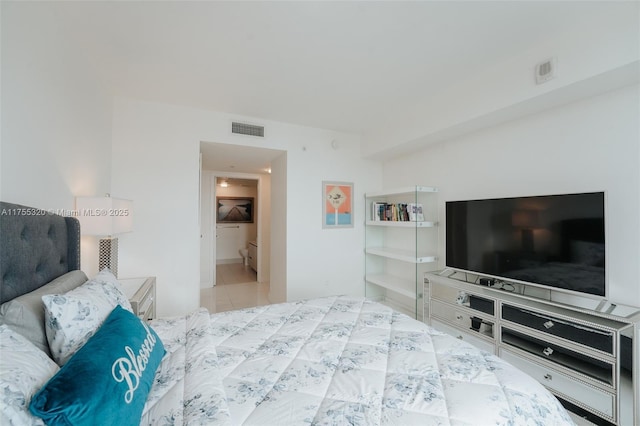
[{"x": 554, "y": 241}]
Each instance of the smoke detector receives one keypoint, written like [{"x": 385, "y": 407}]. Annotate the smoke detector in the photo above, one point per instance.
[{"x": 545, "y": 70}]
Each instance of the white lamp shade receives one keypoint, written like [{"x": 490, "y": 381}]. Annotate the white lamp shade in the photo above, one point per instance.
[{"x": 104, "y": 216}]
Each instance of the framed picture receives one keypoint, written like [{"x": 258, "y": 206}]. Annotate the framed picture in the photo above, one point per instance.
[
  {"x": 337, "y": 205},
  {"x": 234, "y": 209}
]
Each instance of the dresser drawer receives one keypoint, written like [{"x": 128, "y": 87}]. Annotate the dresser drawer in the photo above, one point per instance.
[
  {"x": 460, "y": 297},
  {"x": 462, "y": 335},
  {"x": 462, "y": 318},
  {"x": 585, "y": 396},
  {"x": 145, "y": 306},
  {"x": 602, "y": 371},
  {"x": 588, "y": 336},
  {"x": 141, "y": 293}
]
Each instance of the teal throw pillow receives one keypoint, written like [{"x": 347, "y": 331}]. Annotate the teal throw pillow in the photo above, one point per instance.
[{"x": 106, "y": 380}]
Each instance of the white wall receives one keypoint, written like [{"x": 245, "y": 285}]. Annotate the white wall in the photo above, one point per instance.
[
  {"x": 325, "y": 261},
  {"x": 207, "y": 278},
  {"x": 279, "y": 233},
  {"x": 156, "y": 161},
  {"x": 590, "y": 52},
  {"x": 56, "y": 122},
  {"x": 590, "y": 145},
  {"x": 264, "y": 233}
]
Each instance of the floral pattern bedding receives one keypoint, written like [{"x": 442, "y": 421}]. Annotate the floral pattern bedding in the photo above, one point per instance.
[{"x": 335, "y": 360}]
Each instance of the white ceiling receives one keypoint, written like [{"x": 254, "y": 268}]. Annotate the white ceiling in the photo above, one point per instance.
[
  {"x": 334, "y": 65},
  {"x": 237, "y": 159}
]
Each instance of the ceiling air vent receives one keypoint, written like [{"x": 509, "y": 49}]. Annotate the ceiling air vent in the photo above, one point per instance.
[{"x": 247, "y": 129}]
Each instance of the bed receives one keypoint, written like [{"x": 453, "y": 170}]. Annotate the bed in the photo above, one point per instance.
[
  {"x": 578, "y": 266},
  {"x": 333, "y": 360}
]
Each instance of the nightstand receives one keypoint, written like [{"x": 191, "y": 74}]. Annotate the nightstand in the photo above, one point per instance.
[{"x": 141, "y": 293}]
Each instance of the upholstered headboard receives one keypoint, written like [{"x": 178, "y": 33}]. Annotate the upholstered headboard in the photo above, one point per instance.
[{"x": 36, "y": 247}]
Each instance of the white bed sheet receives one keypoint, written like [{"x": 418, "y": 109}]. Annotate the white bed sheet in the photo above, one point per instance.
[{"x": 335, "y": 360}]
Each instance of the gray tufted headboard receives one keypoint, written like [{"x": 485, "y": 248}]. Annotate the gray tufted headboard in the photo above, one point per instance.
[{"x": 35, "y": 248}]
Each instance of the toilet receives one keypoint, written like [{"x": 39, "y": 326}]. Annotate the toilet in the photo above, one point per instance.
[{"x": 244, "y": 252}]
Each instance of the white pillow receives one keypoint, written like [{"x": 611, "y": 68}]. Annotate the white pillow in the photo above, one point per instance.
[
  {"x": 24, "y": 369},
  {"x": 106, "y": 277},
  {"x": 73, "y": 317},
  {"x": 25, "y": 314}
]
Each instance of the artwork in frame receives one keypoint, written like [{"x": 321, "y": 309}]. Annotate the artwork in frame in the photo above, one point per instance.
[
  {"x": 337, "y": 204},
  {"x": 234, "y": 209}
]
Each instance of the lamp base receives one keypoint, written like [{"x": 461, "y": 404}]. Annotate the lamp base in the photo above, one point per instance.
[{"x": 108, "y": 255}]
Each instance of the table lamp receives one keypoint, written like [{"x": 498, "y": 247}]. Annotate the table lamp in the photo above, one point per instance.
[{"x": 105, "y": 217}]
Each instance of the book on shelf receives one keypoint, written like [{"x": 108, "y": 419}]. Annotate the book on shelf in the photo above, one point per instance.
[
  {"x": 399, "y": 212},
  {"x": 415, "y": 212},
  {"x": 377, "y": 211}
]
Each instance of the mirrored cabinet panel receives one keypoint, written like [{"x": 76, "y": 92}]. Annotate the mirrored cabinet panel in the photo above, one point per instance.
[{"x": 587, "y": 357}]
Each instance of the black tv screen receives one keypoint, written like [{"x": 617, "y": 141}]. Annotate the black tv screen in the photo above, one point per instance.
[{"x": 554, "y": 241}]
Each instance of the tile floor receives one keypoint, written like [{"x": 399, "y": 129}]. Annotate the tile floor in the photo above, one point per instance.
[{"x": 236, "y": 287}]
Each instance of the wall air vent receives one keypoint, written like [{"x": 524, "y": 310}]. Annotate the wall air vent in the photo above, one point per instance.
[
  {"x": 247, "y": 129},
  {"x": 546, "y": 70}
]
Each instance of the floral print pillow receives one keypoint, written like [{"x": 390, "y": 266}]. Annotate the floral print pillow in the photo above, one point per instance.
[
  {"x": 24, "y": 369},
  {"x": 73, "y": 317}
]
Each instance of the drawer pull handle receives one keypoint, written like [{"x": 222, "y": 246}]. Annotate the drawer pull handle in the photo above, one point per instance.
[
  {"x": 548, "y": 324},
  {"x": 547, "y": 351},
  {"x": 548, "y": 377},
  {"x": 458, "y": 317},
  {"x": 459, "y": 337}
]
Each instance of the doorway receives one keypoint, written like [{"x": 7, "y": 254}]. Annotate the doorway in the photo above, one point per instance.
[
  {"x": 236, "y": 225},
  {"x": 236, "y": 237},
  {"x": 234, "y": 172},
  {"x": 225, "y": 239}
]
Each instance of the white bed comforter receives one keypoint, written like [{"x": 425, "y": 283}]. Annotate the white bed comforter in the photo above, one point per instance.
[{"x": 338, "y": 361}]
